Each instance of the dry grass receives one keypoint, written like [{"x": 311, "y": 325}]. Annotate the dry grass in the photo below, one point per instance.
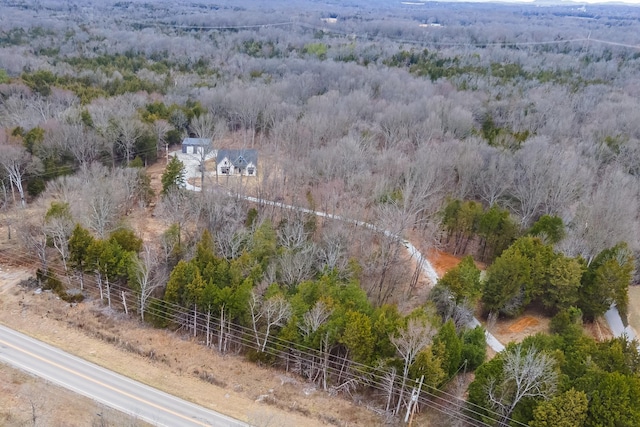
[
  {"x": 26, "y": 400},
  {"x": 160, "y": 358},
  {"x": 599, "y": 330},
  {"x": 176, "y": 364}
]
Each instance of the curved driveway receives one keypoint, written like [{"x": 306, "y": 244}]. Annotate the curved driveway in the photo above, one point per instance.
[
  {"x": 191, "y": 171},
  {"x": 414, "y": 253},
  {"x": 107, "y": 387}
]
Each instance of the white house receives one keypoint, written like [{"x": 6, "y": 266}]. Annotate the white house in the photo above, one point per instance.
[{"x": 237, "y": 162}]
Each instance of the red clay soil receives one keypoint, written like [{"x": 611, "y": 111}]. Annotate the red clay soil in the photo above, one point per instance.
[{"x": 443, "y": 262}]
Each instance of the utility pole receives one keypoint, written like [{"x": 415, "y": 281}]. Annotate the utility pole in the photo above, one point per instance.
[{"x": 413, "y": 402}]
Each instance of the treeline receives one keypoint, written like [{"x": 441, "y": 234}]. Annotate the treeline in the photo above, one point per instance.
[
  {"x": 565, "y": 378},
  {"x": 529, "y": 147},
  {"x": 324, "y": 328},
  {"x": 526, "y": 269},
  {"x": 483, "y": 142}
]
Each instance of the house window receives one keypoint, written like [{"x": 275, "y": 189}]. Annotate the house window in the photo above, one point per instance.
[
  {"x": 225, "y": 170},
  {"x": 251, "y": 171}
]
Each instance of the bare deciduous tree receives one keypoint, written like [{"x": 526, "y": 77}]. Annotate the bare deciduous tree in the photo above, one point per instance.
[
  {"x": 58, "y": 227},
  {"x": 83, "y": 143},
  {"x": 176, "y": 207},
  {"x": 606, "y": 217},
  {"x": 409, "y": 341},
  {"x": 292, "y": 234},
  {"x": 128, "y": 132},
  {"x": 145, "y": 270},
  {"x": 526, "y": 374},
  {"x": 34, "y": 240},
  {"x": 231, "y": 239},
  {"x": 314, "y": 366},
  {"x": 160, "y": 128},
  {"x": 314, "y": 318},
  {"x": 104, "y": 204},
  {"x": 296, "y": 265},
  {"x": 332, "y": 253},
  {"x": 386, "y": 255},
  {"x": 15, "y": 161},
  {"x": 495, "y": 176},
  {"x": 271, "y": 313}
]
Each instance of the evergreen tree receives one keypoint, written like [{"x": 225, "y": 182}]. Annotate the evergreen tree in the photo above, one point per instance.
[
  {"x": 568, "y": 409},
  {"x": 563, "y": 282},
  {"x": 181, "y": 276},
  {"x": 497, "y": 231},
  {"x": 549, "y": 227},
  {"x": 358, "y": 336},
  {"x": 474, "y": 347},
  {"x": 606, "y": 281},
  {"x": 451, "y": 348},
  {"x": 463, "y": 281},
  {"x": 508, "y": 279},
  {"x": 79, "y": 244},
  {"x": 430, "y": 365},
  {"x": 613, "y": 401},
  {"x": 173, "y": 176},
  {"x": 127, "y": 240}
]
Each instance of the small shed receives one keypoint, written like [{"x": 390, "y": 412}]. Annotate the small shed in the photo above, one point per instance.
[
  {"x": 237, "y": 162},
  {"x": 196, "y": 145}
]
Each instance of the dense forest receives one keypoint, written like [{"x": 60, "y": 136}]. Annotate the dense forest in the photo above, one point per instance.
[{"x": 508, "y": 135}]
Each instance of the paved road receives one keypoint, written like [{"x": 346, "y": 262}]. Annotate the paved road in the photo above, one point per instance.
[
  {"x": 104, "y": 386},
  {"x": 431, "y": 273},
  {"x": 617, "y": 327}
]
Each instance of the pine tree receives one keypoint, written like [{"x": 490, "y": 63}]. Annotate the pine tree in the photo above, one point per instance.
[{"x": 173, "y": 176}]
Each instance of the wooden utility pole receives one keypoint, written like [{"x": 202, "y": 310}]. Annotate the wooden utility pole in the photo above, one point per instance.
[
  {"x": 124, "y": 303},
  {"x": 413, "y": 402}
]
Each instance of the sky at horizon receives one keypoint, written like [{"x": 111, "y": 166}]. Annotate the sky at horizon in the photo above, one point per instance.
[{"x": 576, "y": 2}]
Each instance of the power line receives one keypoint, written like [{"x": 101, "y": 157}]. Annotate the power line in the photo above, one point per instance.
[
  {"x": 230, "y": 27},
  {"x": 173, "y": 312}
]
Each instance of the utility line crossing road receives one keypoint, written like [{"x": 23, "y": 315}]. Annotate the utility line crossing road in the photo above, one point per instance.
[{"x": 107, "y": 387}]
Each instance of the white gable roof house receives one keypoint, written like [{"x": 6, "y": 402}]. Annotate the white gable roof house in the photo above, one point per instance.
[
  {"x": 237, "y": 162},
  {"x": 195, "y": 145}
]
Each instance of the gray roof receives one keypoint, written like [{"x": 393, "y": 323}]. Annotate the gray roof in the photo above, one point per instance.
[
  {"x": 198, "y": 142},
  {"x": 238, "y": 158}
]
